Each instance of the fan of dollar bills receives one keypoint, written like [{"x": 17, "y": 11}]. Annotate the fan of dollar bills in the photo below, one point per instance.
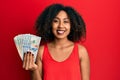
[{"x": 27, "y": 42}]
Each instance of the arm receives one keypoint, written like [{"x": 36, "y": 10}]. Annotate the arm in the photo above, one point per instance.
[
  {"x": 84, "y": 63},
  {"x": 35, "y": 68},
  {"x": 36, "y": 74}
]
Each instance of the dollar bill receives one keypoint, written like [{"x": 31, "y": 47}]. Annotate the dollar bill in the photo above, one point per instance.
[
  {"x": 18, "y": 43},
  {"x": 27, "y": 42},
  {"x": 35, "y": 41}
]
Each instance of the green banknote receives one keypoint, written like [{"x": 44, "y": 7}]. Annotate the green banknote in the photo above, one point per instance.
[{"x": 27, "y": 42}]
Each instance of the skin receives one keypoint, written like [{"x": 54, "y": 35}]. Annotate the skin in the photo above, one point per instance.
[{"x": 61, "y": 44}]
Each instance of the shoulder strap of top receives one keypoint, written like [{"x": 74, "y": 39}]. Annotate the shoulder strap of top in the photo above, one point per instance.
[{"x": 44, "y": 51}]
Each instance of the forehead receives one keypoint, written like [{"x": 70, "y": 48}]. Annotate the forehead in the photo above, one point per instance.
[{"x": 62, "y": 14}]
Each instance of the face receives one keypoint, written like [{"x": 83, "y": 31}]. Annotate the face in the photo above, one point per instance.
[{"x": 61, "y": 25}]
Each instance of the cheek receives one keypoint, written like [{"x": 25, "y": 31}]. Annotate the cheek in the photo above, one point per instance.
[
  {"x": 54, "y": 28},
  {"x": 68, "y": 27}
]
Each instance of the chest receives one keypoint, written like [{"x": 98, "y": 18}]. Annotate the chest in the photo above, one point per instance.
[{"x": 61, "y": 54}]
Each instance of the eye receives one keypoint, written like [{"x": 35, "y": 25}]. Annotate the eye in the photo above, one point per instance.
[
  {"x": 66, "y": 21},
  {"x": 55, "y": 21}
]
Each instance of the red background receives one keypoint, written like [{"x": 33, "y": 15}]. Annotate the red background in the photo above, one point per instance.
[{"x": 102, "y": 21}]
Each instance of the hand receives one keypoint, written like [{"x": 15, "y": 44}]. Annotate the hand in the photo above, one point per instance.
[{"x": 28, "y": 62}]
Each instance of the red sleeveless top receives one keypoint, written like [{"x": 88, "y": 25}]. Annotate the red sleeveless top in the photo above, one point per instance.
[{"x": 68, "y": 69}]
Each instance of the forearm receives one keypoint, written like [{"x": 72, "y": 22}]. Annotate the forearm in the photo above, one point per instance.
[{"x": 36, "y": 75}]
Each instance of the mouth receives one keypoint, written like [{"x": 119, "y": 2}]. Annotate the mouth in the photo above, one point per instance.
[{"x": 60, "y": 31}]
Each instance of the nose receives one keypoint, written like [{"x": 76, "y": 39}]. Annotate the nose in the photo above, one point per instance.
[{"x": 60, "y": 24}]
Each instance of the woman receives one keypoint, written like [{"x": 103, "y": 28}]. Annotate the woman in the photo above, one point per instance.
[{"x": 60, "y": 57}]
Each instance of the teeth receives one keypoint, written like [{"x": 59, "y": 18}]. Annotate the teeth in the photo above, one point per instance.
[{"x": 60, "y": 32}]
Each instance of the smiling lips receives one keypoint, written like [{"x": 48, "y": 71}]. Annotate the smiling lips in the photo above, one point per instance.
[{"x": 60, "y": 31}]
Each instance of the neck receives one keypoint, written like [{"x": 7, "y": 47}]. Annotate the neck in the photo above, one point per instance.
[{"x": 58, "y": 43}]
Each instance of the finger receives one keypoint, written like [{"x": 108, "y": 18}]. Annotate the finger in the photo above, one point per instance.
[
  {"x": 24, "y": 60},
  {"x": 33, "y": 62},
  {"x": 33, "y": 59},
  {"x": 30, "y": 60},
  {"x": 27, "y": 61}
]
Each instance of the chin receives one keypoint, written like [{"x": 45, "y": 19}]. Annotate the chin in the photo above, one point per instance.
[{"x": 61, "y": 37}]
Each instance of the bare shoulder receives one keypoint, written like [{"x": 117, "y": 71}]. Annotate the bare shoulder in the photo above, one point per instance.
[
  {"x": 84, "y": 62},
  {"x": 40, "y": 51},
  {"x": 83, "y": 53}
]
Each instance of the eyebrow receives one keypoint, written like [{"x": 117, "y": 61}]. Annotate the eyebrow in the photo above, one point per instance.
[{"x": 59, "y": 18}]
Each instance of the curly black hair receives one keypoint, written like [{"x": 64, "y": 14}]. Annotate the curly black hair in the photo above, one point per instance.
[{"x": 43, "y": 24}]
